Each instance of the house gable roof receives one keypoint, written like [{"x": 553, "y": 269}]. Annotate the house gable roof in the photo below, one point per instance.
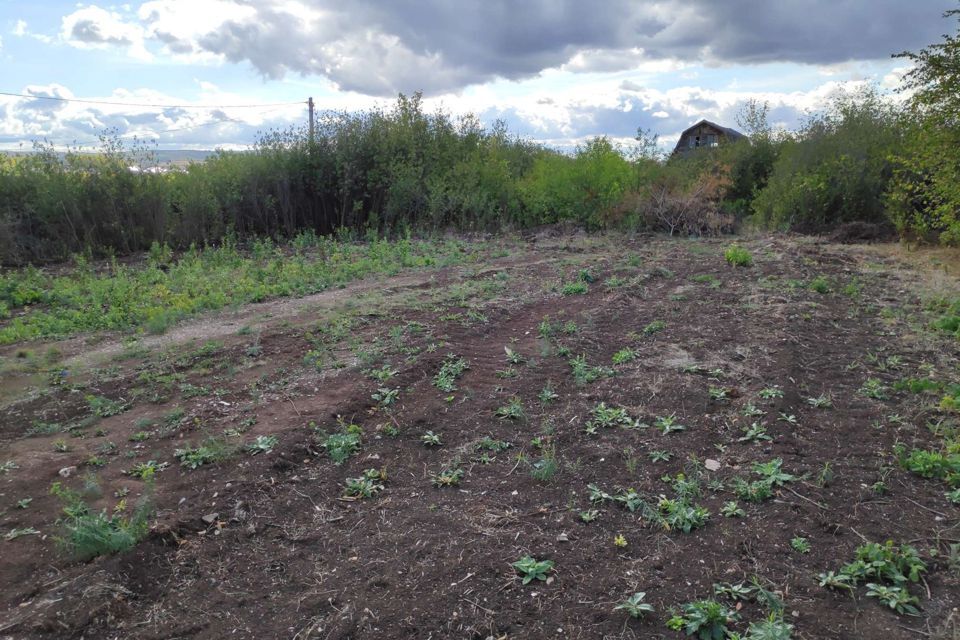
[{"x": 731, "y": 134}]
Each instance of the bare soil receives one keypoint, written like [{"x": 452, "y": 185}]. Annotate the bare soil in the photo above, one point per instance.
[{"x": 267, "y": 546}]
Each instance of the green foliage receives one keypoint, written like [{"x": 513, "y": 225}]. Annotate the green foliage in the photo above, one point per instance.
[
  {"x": 835, "y": 169},
  {"x": 635, "y": 606},
  {"x": 513, "y": 410},
  {"x": 924, "y": 198},
  {"x": 448, "y": 477},
  {"x": 654, "y": 327},
  {"x": 340, "y": 446},
  {"x": 889, "y": 569},
  {"x": 936, "y": 465},
  {"x": 737, "y": 256},
  {"x": 451, "y": 369},
  {"x": 707, "y": 619},
  {"x": 820, "y": 284},
  {"x": 583, "y": 373},
  {"x": 773, "y": 628},
  {"x": 87, "y": 534},
  {"x": 574, "y": 288},
  {"x": 262, "y": 444},
  {"x": 210, "y": 451},
  {"x": 123, "y": 297},
  {"x": 366, "y": 486},
  {"x": 584, "y": 187},
  {"x": 532, "y": 569},
  {"x": 800, "y": 544}
]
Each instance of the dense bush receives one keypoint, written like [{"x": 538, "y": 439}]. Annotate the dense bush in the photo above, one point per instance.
[
  {"x": 864, "y": 159},
  {"x": 835, "y": 169}
]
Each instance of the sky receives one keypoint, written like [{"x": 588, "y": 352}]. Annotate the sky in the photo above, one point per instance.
[{"x": 202, "y": 74}]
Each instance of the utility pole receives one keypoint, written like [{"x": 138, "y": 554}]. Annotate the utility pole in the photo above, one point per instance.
[{"x": 310, "y": 108}]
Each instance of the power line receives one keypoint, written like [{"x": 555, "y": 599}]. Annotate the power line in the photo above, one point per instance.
[{"x": 142, "y": 104}]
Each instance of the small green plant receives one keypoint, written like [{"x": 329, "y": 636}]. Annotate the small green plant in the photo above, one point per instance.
[
  {"x": 574, "y": 288},
  {"x": 451, "y": 369},
  {"x": 707, "y": 619},
  {"x": 589, "y": 515},
  {"x": 546, "y": 467},
  {"x": 897, "y": 598},
  {"x": 800, "y": 544},
  {"x": 772, "y": 472},
  {"x": 770, "y": 393},
  {"x": 532, "y": 569},
  {"x": 366, "y": 486},
  {"x": 731, "y": 509},
  {"x": 547, "y": 394},
  {"x": 606, "y": 417},
  {"x": 820, "y": 402},
  {"x": 210, "y": 451},
  {"x": 513, "y": 357},
  {"x": 681, "y": 515},
  {"x": 61, "y": 446},
  {"x": 737, "y": 256},
  {"x": 24, "y": 503},
  {"x": 668, "y": 424},
  {"x": 262, "y": 444},
  {"x": 658, "y": 455},
  {"x": 720, "y": 394},
  {"x": 887, "y": 569},
  {"x": 431, "y": 439},
  {"x": 654, "y": 327},
  {"x": 624, "y": 356},
  {"x": 874, "y": 388},
  {"x": 513, "y": 410},
  {"x": 756, "y": 432},
  {"x": 340, "y": 446},
  {"x": 384, "y": 396},
  {"x": 87, "y": 534},
  {"x": 773, "y": 628},
  {"x": 383, "y": 374},
  {"x": 146, "y": 470},
  {"x": 751, "y": 411},
  {"x": 820, "y": 284},
  {"x": 583, "y": 373},
  {"x": 449, "y": 477},
  {"x": 489, "y": 444},
  {"x": 635, "y": 606},
  {"x": 105, "y": 407}
]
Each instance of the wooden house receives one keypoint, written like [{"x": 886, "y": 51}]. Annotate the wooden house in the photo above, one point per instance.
[{"x": 705, "y": 134}]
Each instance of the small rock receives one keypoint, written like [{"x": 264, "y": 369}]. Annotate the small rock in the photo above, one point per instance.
[
  {"x": 66, "y": 472},
  {"x": 210, "y": 518},
  {"x": 712, "y": 465},
  {"x": 563, "y": 538}
]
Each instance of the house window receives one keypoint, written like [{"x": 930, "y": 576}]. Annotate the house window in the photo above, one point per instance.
[
  {"x": 692, "y": 141},
  {"x": 711, "y": 139}
]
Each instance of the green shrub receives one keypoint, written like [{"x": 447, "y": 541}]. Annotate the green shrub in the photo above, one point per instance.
[
  {"x": 737, "y": 256},
  {"x": 87, "y": 534},
  {"x": 836, "y": 169}
]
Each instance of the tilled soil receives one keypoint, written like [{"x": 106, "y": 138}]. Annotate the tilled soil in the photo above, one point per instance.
[{"x": 268, "y": 546}]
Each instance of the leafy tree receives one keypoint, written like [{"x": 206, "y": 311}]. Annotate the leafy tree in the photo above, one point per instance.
[{"x": 924, "y": 198}]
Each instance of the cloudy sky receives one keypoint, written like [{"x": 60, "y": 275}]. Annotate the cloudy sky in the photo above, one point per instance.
[{"x": 558, "y": 71}]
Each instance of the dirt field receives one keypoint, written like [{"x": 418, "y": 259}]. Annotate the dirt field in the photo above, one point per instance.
[{"x": 273, "y": 545}]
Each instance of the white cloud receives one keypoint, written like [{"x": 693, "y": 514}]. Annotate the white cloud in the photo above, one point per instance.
[
  {"x": 21, "y": 28},
  {"x": 92, "y": 27}
]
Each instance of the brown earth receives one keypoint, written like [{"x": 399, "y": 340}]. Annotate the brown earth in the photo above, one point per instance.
[{"x": 282, "y": 554}]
